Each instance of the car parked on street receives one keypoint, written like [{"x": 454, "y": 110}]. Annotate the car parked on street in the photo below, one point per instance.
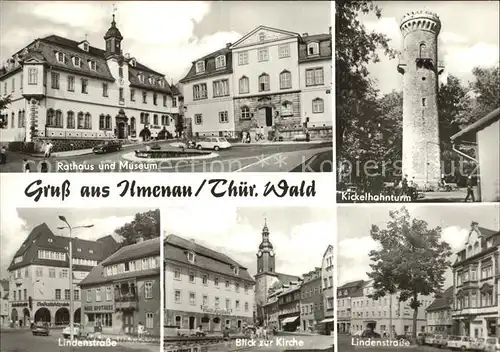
[
  {"x": 370, "y": 334},
  {"x": 40, "y": 329},
  {"x": 358, "y": 333},
  {"x": 107, "y": 147},
  {"x": 67, "y": 331},
  {"x": 478, "y": 344},
  {"x": 440, "y": 341},
  {"x": 459, "y": 343},
  {"x": 428, "y": 339},
  {"x": 492, "y": 344},
  {"x": 214, "y": 143}
]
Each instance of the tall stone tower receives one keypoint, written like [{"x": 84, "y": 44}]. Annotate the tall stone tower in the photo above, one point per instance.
[
  {"x": 266, "y": 275},
  {"x": 420, "y": 70}
]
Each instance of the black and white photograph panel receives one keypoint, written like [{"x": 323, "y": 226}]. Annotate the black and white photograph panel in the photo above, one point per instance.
[
  {"x": 80, "y": 278},
  {"x": 248, "y": 278},
  {"x": 417, "y": 104},
  {"x": 418, "y": 276},
  {"x": 166, "y": 86}
]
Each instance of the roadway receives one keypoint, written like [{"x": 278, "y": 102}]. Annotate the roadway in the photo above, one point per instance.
[
  {"x": 22, "y": 340},
  {"x": 240, "y": 158},
  {"x": 347, "y": 343}
]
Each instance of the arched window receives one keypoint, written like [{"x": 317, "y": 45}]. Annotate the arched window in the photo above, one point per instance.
[
  {"x": 108, "y": 122},
  {"x": 50, "y": 117},
  {"x": 318, "y": 106},
  {"x": 70, "y": 119},
  {"x": 101, "y": 122},
  {"x": 423, "y": 54},
  {"x": 59, "y": 122},
  {"x": 285, "y": 80},
  {"x": 245, "y": 113},
  {"x": 88, "y": 122},
  {"x": 80, "y": 120},
  {"x": 23, "y": 118},
  {"x": 19, "y": 119},
  {"x": 476, "y": 248},
  {"x": 264, "y": 82},
  {"x": 244, "y": 85},
  {"x": 132, "y": 123}
]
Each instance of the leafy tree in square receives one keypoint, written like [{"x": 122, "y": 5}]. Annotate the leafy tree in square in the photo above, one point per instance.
[
  {"x": 411, "y": 259},
  {"x": 4, "y": 103},
  {"x": 145, "y": 225}
]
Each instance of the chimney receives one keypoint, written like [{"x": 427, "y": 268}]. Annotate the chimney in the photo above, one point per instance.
[
  {"x": 305, "y": 34},
  {"x": 474, "y": 226},
  {"x": 228, "y": 45}
]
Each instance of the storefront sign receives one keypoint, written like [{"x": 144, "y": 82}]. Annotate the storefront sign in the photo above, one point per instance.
[
  {"x": 52, "y": 304},
  {"x": 20, "y": 304},
  {"x": 206, "y": 309},
  {"x": 97, "y": 309}
]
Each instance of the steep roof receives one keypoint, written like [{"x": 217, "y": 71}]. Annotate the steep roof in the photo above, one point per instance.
[
  {"x": 177, "y": 247},
  {"x": 96, "y": 276},
  {"x": 5, "y": 286},
  {"x": 41, "y": 237},
  {"x": 351, "y": 284},
  {"x": 210, "y": 70},
  {"x": 325, "y": 47},
  {"x": 134, "y": 251},
  {"x": 286, "y": 278},
  {"x": 443, "y": 301},
  {"x": 468, "y": 133}
]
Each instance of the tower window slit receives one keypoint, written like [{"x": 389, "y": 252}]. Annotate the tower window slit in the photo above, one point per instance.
[{"x": 424, "y": 101}]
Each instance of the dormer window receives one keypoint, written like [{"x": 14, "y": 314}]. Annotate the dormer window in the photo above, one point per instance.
[
  {"x": 312, "y": 49},
  {"x": 200, "y": 67},
  {"x": 60, "y": 57},
  {"x": 151, "y": 80},
  {"x": 220, "y": 61},
  {"x": 77, "y": 62},
  {"x": 92, "y": 65},
  {"x": 141, "y": 78},
  {"x": 85, "y": 47},
  {"x": 262, "y": 37},
  {"x": 78, "y": 249},
  {"x": 132, "y": 62},
  {"x": 191, "y": 257},
  {"x": 91, "y": 251},
  {"x": 161, "y": 83},
  {"x": 50, "y": 240},
  {"x": 236, "y": 270}
]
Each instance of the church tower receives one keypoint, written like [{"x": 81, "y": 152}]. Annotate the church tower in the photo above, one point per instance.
[
  {"x": 420, "y": 70},
  {"x": 266, "y": 275},
  {"x": 113, "y": 40}
]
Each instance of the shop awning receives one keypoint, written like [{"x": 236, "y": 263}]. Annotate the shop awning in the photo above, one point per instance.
[
  {"x": 289, "y": 320},
  {"x": 327, "y": 320}
]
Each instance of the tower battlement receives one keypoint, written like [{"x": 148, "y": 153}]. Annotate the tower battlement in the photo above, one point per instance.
[{"x": 420, "y": 20}]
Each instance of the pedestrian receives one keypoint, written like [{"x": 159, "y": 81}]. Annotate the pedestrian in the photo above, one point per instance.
[
  {"x": 225, "y": 335},
  {"x": 470, "y": 190},
  {"x": 44, "y": 167},
  {"x": 404, "y": 185},
  {"x": 26, "y": 166},
  {"x": 3, "y": 155},
  {"x": 264, "y": 333},
  {"x": 140, "y": 330},
  {"x": 48, "y": 148}
]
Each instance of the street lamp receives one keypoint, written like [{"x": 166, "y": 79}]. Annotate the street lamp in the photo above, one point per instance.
[{"x": 70, "y": 258}]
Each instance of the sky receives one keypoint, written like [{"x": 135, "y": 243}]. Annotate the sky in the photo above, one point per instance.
[
  {"x": 299, "y": 235},
  {"x": 17, "y": 224},
  {"x": 354, "y": 223},
  {"x": 163, "y": 35},
  {"x": 469, "y": 37}
]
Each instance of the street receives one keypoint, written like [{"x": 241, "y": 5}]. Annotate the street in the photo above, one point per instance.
[
  {"x": 22, "y": 340},
  {"x": 348, "y": 343},
  {"x": 240, "y": 158}
]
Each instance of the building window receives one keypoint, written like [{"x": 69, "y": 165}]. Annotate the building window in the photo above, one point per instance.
[
  {"x": 191, "y": 277},
  {"x": 174, "y": 102},
  {"x": 200, "y": 91},
  {"x": 58, "y": 294},
  {"x": 192, "y": 298},
  {"x": 71, "y": 83},
  {"x": 246, "y": 306},
  {"x": 263, "y": 54},
  {"x": 221, "y": 88},
  {"x": 177, "y": 273},
  {"x": 198, "y": 119},
  {"x": 120, "y": 72},
  {"x": 144, "y": 97},
  {"x": 121, "y": 96},
  {"x": 76, "y": 295},
  {"x": 177, "y": 296},
  {"x": 264, "y": 82},
  {"x": 245, "y": 113},
  {"x": 102, "y": 122},
  {"x": 67, "y": 294},
  {"x": 85, "y": 83},
  {"x": 223, "y": 118},
  {"x": 165, "y": 101},
  {"x": 141, "y": 77},
  {"x": 204, "y": 280},
  {"x": 243, "y": 58},
  {"x": 52, "y": 272},
  {"x": 70, "y": 119},
  {"x": 98, "y": 297},
  {"x": 284, "y": 51},
  {"x": 191, "y": 257},
  {"x": 60, "y": 57},
  {"x": 105, "y": 89},
  {"x": 155, "y": 99},
  {"x": 92, "y": 65},
  {"x": 32, "y": 76},
  {"x": 228, "y": 284},
  {"x": 216, "y": 281},
  {"x": 148, "y": 290},
  {"x": 58, "y": 123},
  {"x": 237, "y": 304},
  {"x": 87, "y": 122},
  {"x": 313, "y": 49},
  {"x": 89, "y": 296},
  {"x": 50, "y": 117},
  {"x": 220, "y": 62},
  {"x": 285, "y": 80},
  {"x": 216, "y": 302},
  {"x": 315, "y": 77},
  {"x": 200, "y": 67},
  {"x": 149, "y": 320},
  {"x": 132, "y": 94},
  {"x": 424, "y": 102},
  {"x": 55, "y": 80},
  {"x": 76, "y": 61},
  {"x": 244, "y": 84},
  {"x": 318, "y": 106},
  {"x": 423, "y": 51}
]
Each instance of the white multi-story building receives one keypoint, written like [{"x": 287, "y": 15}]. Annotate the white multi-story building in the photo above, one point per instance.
[
  {"x": 205, "y": 287},
  {"x": 39, "y": 276},
  {"x": 327, "y": 266},
  {"x": 438, "y": 314},
  {"x": 73, "y": 93},
  {"x": 345, "y": 294},
  {"x": 475, "y": 281},
  {"x": 271, "y": 81},
  {"x": 4, "y": 302},
  {"x": 368, "y": 313}
]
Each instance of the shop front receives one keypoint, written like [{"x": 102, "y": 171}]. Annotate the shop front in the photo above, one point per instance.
[{"x": 100, "y": 318}]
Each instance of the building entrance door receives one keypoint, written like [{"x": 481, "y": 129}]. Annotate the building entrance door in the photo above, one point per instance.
[
  {"x": 121, "y": 130},
  {"x": 128, "y": 322}
]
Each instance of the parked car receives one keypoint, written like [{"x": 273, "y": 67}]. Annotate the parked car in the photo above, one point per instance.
[
  {"x": 492, "y": 344},
  {"x": 370, "y": 334},
  {"x": 108, "y": 147},
  {"x": 358, "y": 333},
  {"x": 440, "y": 341},
  {"x": 40, "y": 329},
  {"x": 421, "y": 338},
  {"x": 428, "y": 339},
  {"x": 67, "y": 331},
  {"x": 478, "y": 344},
  {"x": 459, "y": 343},
  {"x": 214, "y": 143}
]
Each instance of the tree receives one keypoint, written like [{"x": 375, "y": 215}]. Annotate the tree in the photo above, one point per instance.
[
  {"x": 487, "y": 87},
  {"x": 355, "y": 48},
  {"x": 412, "y": 259},
  {"x": 453, "y": 103},
  {"x": 145, "y": 226},
  {"x": 4, "y": 103}
]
